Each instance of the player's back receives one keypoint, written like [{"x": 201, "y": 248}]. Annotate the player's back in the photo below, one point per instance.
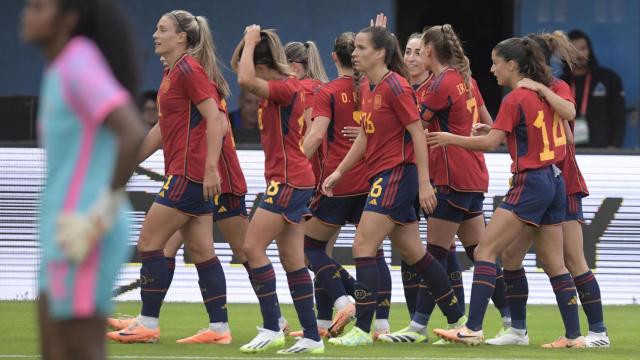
[
  {"x": 335, "y": 100},
  {"x": 535, "y": 139}
]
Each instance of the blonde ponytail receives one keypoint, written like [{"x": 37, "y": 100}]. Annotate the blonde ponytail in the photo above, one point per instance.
[
  {"x": 308, "y": 55},
  {"x": 200, "y": 46},
  {"x": 449, "y": 50}
]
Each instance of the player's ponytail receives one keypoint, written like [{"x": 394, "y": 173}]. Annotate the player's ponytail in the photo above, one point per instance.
[
  {"x": 268, "y": 51},
  {"x": 308, "y": 55},
  {"x": 529, "y": 57},
  {"x": 448, "y": 49},
  {"x": 343, "y": 48},
  {"x": 557, "y": 43},
  {"x": 200, "y": 45},
  {"x": 105, "y": 23},
  {"x": 381, "y": 38}
]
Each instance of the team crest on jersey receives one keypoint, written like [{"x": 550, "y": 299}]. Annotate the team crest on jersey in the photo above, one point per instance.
[
  {"x": 164, "y": 87},
  {"x": 377, "y": 102}
]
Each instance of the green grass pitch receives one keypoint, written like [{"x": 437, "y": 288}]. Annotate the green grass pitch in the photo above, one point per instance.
[{"x": 18, "y": 335}]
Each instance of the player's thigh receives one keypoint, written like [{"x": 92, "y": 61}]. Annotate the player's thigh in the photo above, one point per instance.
[
  {"x": 441, "y": 232},
  {"x": 234, "y": 230},
  {"x": 406, "y": 239},
  {"x": 320, "y": 231},
  {"x": 332, "y": 242},
  {"x": 370, "y": 233},
  {"x": 198, "y": 238},
  {"x": 499, "y": 233},
  {"x": 574, "y": 248},
  {"x": 291, "y": 247},
  {"x": 159, "y": 225},
  {"x": 173, "y": 245},
  {"x": 549, "y": 248},
  {"x": 51, "y": 346},
  {"x": 514, "y": 254},
  {"x": 471, "y": 230},
  {"x": 263, "y": 229}
]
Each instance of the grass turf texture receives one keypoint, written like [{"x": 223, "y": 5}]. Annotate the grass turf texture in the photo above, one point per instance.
[{"x": 18, "y": 335}]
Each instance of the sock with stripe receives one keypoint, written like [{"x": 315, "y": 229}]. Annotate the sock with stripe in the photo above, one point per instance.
[
  {"x": 248, "y": 269},
  {"x": 424, "y": 307},
  {"x": 517, "y": 295},
  {"x": 326, "y": 273},
  {"x": 455, "y": 276},
  {"x": 171, "y": 268},
  {"x": 567, "y": 299},
  {"x": 589, "y": 293},
  {"x": 366, "y": 291},
  {"x": 426, "y": 301},
  {"x": 213, "y": 287},
  {"x": 324, "y": 305},
  {"x": 348, "y": 281},
  {"x": 410, "y": 282},
  {"x": 499, "y": 297},
  {"x": 301, "y": 290},
  {"x": 384, "y": 288},
  {"x": 264, "y": 285},
  {"x": 484, "y": 281},
  {"x": 154, "y": 281},
  {"x": 436, "y": 279}
]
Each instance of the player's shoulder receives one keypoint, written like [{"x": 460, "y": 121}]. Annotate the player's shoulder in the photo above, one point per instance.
[
  {"x": 396, "y": 84},
  {"x": 188, "y": 65}
]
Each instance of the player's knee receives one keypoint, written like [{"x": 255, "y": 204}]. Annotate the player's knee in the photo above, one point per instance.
[
  {"x": 575, "y": 263},
  {"x": 511, "y": 260}
]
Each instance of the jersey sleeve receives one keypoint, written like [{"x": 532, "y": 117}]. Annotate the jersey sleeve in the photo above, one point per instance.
[
  {"x": 197, "y": 86},
  {"x": 405, "y": 107},
  {"x": 321, "y": 104},
  {"x": 281, "y": 92},
  {"x": 563, "y": 90},
  {"x": 507, "y": 118},
  {"x": 93, "y": 91}
]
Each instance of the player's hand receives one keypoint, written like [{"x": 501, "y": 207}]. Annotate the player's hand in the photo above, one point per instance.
[
  {"x": 427, "y": 197},
  {"x": 480, "y": 129},
  {"x": 330, "y": 182},
  {"x": 438, "y": 139},
  {"x": 381, "y": 21},
  {"x": 530, "y": 84},
  {"x": 211, "y": 185},
  {"x": 351, "y": 132},
  {"x": 77, "y": 234},
  {"x": 252, "y": 35}
]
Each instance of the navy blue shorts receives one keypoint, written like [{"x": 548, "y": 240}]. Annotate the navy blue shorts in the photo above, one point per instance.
[
  {"x": 338, "y": 210},
  {"x": 180, "y": 193},
  {"x": 457, "y": 206},
  {"x": 228, "y": 205},
  {"x": 394, "y": 192},
  {"x": 537, "y": 196},
  {"x": 288, "y": 201},
  {"x": 574, "y": 208}
]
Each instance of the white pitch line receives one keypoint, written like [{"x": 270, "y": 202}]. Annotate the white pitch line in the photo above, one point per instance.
[{"x": 8, "y": 356}]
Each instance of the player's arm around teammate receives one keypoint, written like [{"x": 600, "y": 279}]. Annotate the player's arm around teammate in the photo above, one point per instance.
[
  {"x": 388, "y": 113},
  {"x": 537, "y": 196}
]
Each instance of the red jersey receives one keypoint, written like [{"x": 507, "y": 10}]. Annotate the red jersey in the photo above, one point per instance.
[
  {"x": 529, "y": 123},
  {"x": 387, "y": 108},
  {"x": 310, "y": 87},
  {"x": 281, "y": 123},
  {"x": 183, "y": 128},
  {"x": 335, "y": 101},
  {"x": 421, "y": 91},
  {"x": 228, "y": 165},
  {"x": 448, "y": 107},
  {"x": 574, "y": 182}
]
